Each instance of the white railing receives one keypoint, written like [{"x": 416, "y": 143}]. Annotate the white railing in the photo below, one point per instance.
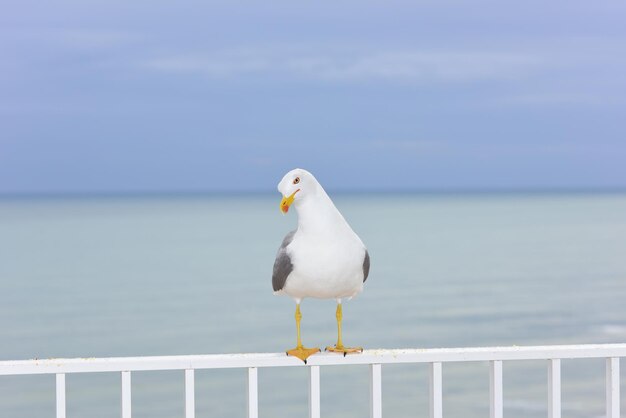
[{"x": 374, "y": 358}]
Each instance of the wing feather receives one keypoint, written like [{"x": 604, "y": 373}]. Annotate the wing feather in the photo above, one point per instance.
[
  {"x": 366, "y": 266},
  {"x": 282, "y": 265}
]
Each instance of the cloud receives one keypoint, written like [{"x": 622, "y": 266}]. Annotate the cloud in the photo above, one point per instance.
[
  {"x": 98, "y": 39},
  {"x": 559, "y": 98},
  {"x": 497, "y": 148},
  {"x": 78, "y": 39},
  {"x": 404, "y": 66},
  {"x": 424, "y": 66},
  {"x": 224, "y": 66},
  {"x": 419, "y": 146}
]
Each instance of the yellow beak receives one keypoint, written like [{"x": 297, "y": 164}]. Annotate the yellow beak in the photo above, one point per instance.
[{"x": 287, "y": 201}]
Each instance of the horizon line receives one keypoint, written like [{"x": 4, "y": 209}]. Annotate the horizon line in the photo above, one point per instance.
[{"x": 219, "y": 192}]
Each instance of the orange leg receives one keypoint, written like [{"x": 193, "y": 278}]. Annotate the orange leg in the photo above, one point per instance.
[{"x": 300, "y": 351}]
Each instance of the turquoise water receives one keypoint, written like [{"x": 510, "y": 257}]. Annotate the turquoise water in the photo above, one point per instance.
[{"x": 93, "y": 277}]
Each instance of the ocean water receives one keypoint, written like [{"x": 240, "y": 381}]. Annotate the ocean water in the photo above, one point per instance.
[{"x": 132, "y": 276}]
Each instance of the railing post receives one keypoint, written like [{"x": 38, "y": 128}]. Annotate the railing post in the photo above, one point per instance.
[
  {"x": 376, "y": 393},
  {"x": 495, "y": 389},
  {"x": 612, "y": 387},
  {"x": 436, "y": 391},
  {"x": 253, "y": 393},
  {"x": 190, "y": 394},
  {"x": 60, "y": 385},
  {"x": 126, "y": 395},
  {"x": 554, "y": 388},
  {"x": 314, "y": 392}
]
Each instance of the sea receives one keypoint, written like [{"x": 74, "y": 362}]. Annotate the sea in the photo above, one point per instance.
[{"x": 103, "y": 276}]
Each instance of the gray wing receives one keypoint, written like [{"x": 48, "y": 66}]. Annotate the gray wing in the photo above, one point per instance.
[
  {"x": 366, "y": 266},
  {"x": 282, "y": 264}
]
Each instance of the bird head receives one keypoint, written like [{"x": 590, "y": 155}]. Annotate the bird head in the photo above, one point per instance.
[{"x": 295, "y": 186}]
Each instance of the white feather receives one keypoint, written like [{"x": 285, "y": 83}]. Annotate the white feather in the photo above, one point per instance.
[{"x": 327, "y": 256}]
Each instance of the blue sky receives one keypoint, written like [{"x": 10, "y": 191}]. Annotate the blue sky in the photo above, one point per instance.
[{"x": 112, "y": 96}]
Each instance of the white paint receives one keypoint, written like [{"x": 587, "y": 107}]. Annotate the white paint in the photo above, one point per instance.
[
  {"x": 554, "y": 388},
  {"x": 374, "y": 358},
  {"x": 376, "y": 391},
  {"x": 60, "y": 387},
  {"x": 253, "y": 393},
  {"x": 126, "y": 395},
  {"x": 314, "y": 392},
  {"x": 612, "y": 388},
  {"x": 436, "y": 390},
  {"x": 190, "y": 394},
  {"x": 227, "y": 361},
  {"x": 495, "y": 389}
]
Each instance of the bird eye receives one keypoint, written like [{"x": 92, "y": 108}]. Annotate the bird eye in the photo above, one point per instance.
[{"x": 296, "y": 180}]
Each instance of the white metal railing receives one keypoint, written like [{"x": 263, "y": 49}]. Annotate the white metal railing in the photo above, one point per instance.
[{"x": 374, "y": 358}]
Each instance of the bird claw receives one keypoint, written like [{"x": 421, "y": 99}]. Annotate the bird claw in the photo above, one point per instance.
[
  {"x": 302, "y": 353},
  {"x": 344, "y": 350}
]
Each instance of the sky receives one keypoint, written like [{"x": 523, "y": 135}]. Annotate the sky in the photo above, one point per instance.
[{"x": 159, "y": 96}]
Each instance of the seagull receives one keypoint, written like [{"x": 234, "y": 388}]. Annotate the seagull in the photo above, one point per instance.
[{"x": 323, "y": 258}]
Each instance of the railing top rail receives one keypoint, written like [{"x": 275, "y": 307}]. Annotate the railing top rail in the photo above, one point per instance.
[{"x": 382, "y": 356}]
